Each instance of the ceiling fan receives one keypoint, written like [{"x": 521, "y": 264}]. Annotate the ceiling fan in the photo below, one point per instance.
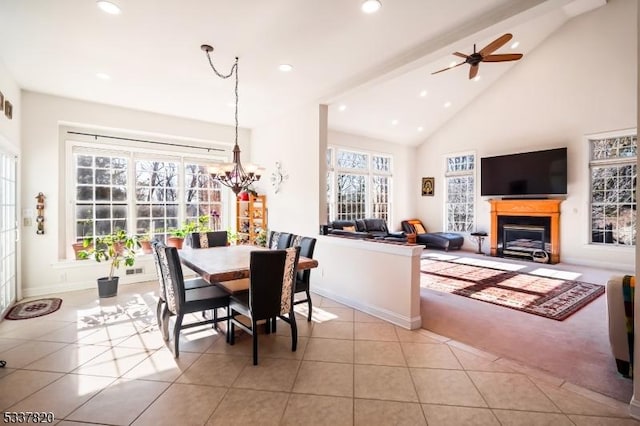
[{"x": 485, "y": 55}]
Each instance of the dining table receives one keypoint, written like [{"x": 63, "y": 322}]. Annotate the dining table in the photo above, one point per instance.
[{"x": 228, "y": 266}]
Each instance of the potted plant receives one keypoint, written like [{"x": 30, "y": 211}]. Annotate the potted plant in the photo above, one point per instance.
[
  {"x": 78, "y": 246},
  {"x": 177, "y": 235},
  {"x": 115, "y": 248},
  {"x": 145, "y": 243}
]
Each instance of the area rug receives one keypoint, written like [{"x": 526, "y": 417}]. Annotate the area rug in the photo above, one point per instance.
[
  {"x": 33, "y": 309},
  {"x": 552, "y": 298}
]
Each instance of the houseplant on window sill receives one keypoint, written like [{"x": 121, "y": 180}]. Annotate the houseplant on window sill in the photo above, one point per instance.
[
  {"x": 78, "y": 246},
  {"x": 145, "y": 243},
  {"x": 115, "y": 248}
]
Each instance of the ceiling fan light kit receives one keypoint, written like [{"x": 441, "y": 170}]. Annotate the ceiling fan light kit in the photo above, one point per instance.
[{"x": 484, "y": 55}]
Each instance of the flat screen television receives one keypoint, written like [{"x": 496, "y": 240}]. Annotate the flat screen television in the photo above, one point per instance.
[{"x": 527, "y": 174}]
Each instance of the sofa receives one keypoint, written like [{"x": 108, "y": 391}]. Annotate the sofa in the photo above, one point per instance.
[
  {"x": 440, "y": 240},
  {"x": 372, "y": 228}
]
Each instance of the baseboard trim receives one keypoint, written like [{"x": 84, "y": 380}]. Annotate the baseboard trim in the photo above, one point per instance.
[
  {"x": 634, "y": 408},
  {"x": 410, "y": 323},
  {"x": 80, "y": 285}
]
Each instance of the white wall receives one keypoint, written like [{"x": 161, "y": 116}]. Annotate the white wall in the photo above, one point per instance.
[
  {"x": 404, "y": 185},
  {"x": 581, "y": 80},
  {"x": 10, "y": 129},
  {"x": 294, "y": 141},
  {"x": 42, "y": 170}
]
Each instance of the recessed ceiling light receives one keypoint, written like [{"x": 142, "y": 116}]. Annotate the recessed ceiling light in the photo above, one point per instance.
[
  {"x": 342, "y": 107},
  {"x": 477, "y": 78},
  {"x": 515, "y": 44},
  {"x": 285, "y": 67},
  {"x": 423, "y": 93},
  {"x": 103, "y": 76},
  {"x": 447, "y": 104},
  {"x": 394, "y": 122},
  {"x": 109, "y": 7},
  {"x": 452, "y": 64},
  {"x": 420, "y": 128},
  {"x": 371, "y": 6}
]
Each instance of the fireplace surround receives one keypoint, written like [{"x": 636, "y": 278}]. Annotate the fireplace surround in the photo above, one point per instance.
[{"x": 528, "y": 228}]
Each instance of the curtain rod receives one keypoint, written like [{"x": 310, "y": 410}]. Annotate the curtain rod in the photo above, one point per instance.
[{"x": 145, "y": 141}]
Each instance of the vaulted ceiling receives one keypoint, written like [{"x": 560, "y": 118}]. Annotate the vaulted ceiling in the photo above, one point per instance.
[{"x": 378, "y": 66}]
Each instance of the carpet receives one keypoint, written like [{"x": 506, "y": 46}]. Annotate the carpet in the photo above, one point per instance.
[
  {"x": 33, "y": 309},
  {"x": 552, "y": 298}
]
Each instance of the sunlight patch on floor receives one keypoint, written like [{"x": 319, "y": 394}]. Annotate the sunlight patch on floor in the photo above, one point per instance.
[
  {"x": 552, "y": 273},
  {"x": 494, "y": 264},
  {"x": 318, "y": 315},
  {"x": 438, "y": 256}
]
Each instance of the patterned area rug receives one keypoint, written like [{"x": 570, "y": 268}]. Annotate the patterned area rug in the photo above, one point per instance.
[
  {"x": 33, "y": 309},
  {"x": 548, "y": 297}
]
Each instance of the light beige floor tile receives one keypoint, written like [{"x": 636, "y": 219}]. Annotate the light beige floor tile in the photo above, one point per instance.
[
  {"x": 373, "y": 412},
  {"x": 333, "y": 314},
  {"x": 304, "y": 327},
  {"x": 33, "y": 328},
  {"x": 330, "y": 350},
  {"x": 443, "y": 415},
  {"x": 430, "y": 355},
  {"x": 197, "y": 339},
  {"x": 473, "y": 362},
  {"x": 459, "y": 346},
  {"x": 379, "y": 353},
  {"x": 451, "y": 387},
  {"x": 435, "y": 336},
  {"x": 120, "y": 403},
  {"x": 64, "y": 395},
  {"x": 413, "y": 336},
  {"x": 333, "y": 330},
  {"x": 530, "y": 371},
  {"x": 114, "y": 362},
  {"x": 275, "y": 346},
  {"x": 375, "y": 331},
  {"x": 182, "y": 404},
  {"x": 250, "y": 407},
  {"x": 270, "y": 374},
  {"x": 380, "y": 382},
  {"x": 68, "y": 423},
  {"x": 69, "y": 334},
  {"x": 214, "y": 370},
  {"x": 602, "y": 421},
  {"x": 6, "y": 344},
  {"x": 150, "y": 340},
  {"x": 360, "y": 316},
  {"x": 328, "y": 303},
  {"x": 527, "y": 418},
  {"x": 324, "y": 378},
  {"x": 6, "y": 371},
  {"x": 25, "y": 354},
  {"x": 68, "y": 358},
  {"x": 110, "y": 335},
  {"x": 511, "y": 391},
  {"x": 572, "y": 403},
  {"x": 22, "y": 383},
  {"x": 162, "y": 366},
  {"x": 317, "y": 410},
  {"x": 242, "y": 346}
]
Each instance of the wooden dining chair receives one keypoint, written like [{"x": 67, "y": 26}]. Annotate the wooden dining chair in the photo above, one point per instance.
[
  {"x": 180, "y": 301},
  {"x": 279, "y": 240},
  {"x": 162, "y": 303},
  {"x": 271, "y": 281},
  {"x": 208, "y": 239},
  {"x": 307, "y": 246}
]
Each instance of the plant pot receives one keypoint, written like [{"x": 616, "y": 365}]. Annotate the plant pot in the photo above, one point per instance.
[
  {"x": 78, "y": 247},
  {"x": 146, "y": 247},
  {"x": 175, "y": 242},
  {"x": 108, "y": 287}
]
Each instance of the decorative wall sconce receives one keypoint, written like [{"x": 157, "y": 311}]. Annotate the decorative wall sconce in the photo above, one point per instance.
[{"x": 40, "y": 208}]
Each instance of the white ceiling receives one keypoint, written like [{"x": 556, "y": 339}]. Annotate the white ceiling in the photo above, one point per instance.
[{"x": 374, "y": 64}]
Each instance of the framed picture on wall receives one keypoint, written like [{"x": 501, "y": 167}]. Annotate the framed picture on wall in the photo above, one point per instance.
[
  {"x": 8, "y": 109},
  {"x": 427, "y": 186}
]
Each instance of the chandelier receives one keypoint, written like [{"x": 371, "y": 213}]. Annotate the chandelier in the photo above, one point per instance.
[{"x": 232, "y": 175}]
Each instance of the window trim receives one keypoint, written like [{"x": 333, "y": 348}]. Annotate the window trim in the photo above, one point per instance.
[{"x": 446, "y": 174}]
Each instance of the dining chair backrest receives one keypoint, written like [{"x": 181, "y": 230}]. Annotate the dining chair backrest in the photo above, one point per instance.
[
  {"x": 208, "y": 239},
  {"x": 307, "y": 246},
  {"x": 156, "y": 260},
  {"x": 271, "y": 275},
  {"x": 173, "y": 278},
  {"x": 279, "y": 240}
]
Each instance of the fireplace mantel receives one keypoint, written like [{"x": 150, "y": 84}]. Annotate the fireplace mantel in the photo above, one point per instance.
[{"x": 528, "y": 207}]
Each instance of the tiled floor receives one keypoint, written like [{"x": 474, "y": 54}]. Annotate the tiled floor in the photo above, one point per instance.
[{"x": 103, "y": 361}]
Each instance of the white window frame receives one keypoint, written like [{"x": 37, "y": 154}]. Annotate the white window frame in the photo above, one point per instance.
[
  {"x": 462, "y": 173},
  {"x": 617, "y": 161},
  {"x": 332, "y": 176},
  {"x": 185, "y": 155}
]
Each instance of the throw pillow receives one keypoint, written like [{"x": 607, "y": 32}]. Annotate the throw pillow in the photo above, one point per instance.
[
  {"x": 349, "y": 228},
  {"x": 419, "y": 228}
]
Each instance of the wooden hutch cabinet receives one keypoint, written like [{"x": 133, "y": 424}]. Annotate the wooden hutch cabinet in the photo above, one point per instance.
[{"x": 251, "y": 218}]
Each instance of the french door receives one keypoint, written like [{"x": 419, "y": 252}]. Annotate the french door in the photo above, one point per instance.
[{"x": 8, "y": 231}]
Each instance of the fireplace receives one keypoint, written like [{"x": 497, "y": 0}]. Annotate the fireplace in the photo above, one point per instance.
[{"x": 526, "y": 229}]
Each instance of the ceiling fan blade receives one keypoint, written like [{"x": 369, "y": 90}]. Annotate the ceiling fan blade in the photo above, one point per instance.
[
  {"x": 462, "y": 55},
  {"x": 495, "y": 44},
  {"x": 448, "y": 68},
  {"x": 502, "y": 57},
  {"x": 473, "y": 71}
]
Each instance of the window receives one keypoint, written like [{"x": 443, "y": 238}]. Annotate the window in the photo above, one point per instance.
[
  {"x": 8, "y": 231},
  {"x": 613, "y": 189},
  {"x": 141, "y": 193},
  {"x": 358, "y": 185},
  {"x": 460, "y": 193}
]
